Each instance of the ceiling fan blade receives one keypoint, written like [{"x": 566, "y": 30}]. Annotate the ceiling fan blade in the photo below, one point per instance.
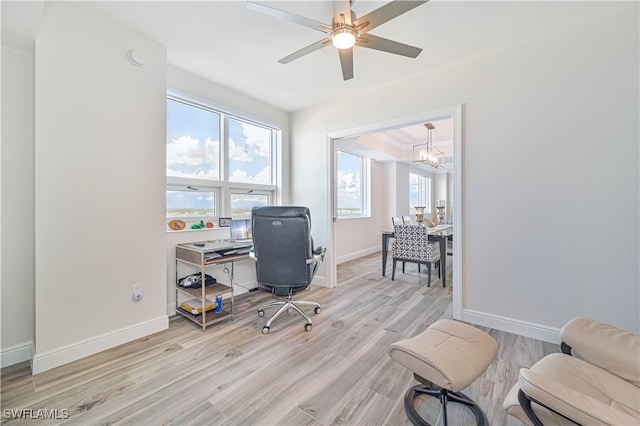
[
  {"x": 341, "y": 7},
  {"x": 287, "y": 16},
  {"x": 346, "y": 61},
  {"x": 378, "y": 43},
  {"x": 306, "y": 50},
  {"x": 385, "y": 13}
]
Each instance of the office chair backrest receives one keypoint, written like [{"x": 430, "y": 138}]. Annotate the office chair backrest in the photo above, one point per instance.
[{"x": 282, "y": 244}]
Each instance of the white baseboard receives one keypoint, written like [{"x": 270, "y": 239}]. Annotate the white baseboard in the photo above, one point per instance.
[
  {"x": 171, "y": 309},
  {"x": 320, "y": 281},
  {"x": 510, "y": 325},
  {"x": 54, "y": 358},
  {"x": 356, "y": 254},
  {"x": 15, "y": 354}
]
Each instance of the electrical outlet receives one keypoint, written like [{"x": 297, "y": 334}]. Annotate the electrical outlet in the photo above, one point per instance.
[{"x": 137, "y": 292}]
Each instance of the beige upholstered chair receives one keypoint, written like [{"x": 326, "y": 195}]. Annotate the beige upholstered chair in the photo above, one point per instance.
[
  {"x": 596, "y": 380},
  {"x": 412, "y": 245}
]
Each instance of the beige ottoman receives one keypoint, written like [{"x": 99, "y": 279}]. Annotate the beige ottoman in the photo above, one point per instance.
[{"x": 446, "y": 358}]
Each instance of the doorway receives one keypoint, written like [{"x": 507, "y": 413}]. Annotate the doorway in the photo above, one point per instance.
[{"x": 345, "y": 140}]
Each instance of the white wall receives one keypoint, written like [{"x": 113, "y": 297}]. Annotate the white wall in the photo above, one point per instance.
[
  {"x": 17, "y": 206},
  {"x": 99, "y": 186},
  {"x": 550, "y": 136}
]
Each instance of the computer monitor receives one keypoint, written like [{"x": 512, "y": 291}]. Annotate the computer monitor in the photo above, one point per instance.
[{"x": 241, "y": 230}]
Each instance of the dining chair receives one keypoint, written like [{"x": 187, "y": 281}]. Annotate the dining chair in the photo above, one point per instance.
[
  {"x": 412, "y": 244},
  {"x": 406, "y": 220},
  {"x": 396, "y": 220}
]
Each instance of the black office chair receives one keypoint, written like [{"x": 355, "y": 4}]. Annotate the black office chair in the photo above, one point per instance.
[{"x": 286, "y": 260}]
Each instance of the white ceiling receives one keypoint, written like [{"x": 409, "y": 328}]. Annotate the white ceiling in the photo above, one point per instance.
[
  {"x": 227, "y": 43},
  {"x": 397, "y": 144}
]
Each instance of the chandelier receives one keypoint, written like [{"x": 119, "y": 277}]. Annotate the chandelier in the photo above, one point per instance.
[{"x": 426, "y": 154}]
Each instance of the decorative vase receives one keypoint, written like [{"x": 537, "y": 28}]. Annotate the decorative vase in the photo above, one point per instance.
[{"x": 420, "y": 214}]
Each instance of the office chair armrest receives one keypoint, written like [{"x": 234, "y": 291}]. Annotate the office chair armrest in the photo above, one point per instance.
[
  {"x": 319, "y": 252},
  {"x": 604, "y": 345},
  {"x": 318, "y": 255}
]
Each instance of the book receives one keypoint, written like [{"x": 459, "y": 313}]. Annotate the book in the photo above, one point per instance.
[{"x": 194, "y": 306}]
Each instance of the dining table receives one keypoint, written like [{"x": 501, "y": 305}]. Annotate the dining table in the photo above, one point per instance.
[{"x": 440, "y": 233}]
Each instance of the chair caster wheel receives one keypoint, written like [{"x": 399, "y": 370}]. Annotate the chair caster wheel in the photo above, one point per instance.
[
  {"x": 317, "y": 309},
  {"x": 261, "y": 314},
  {"x": 265, "y": 330},
  {"x": 307, "y": 327}
]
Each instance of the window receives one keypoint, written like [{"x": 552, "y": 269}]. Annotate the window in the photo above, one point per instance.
[
  {"x": 217, "y": 165},
  {"x": 193, "y": 141},
  {"x": 353, "y": 185},
  {"x": 191, "y": 202},
  {"x": 419, "y": 192}
]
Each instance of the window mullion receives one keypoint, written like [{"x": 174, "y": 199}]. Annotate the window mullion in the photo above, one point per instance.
[{"x": 224, "y": 152}]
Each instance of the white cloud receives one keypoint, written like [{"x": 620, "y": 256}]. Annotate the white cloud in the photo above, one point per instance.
[
  {"x": 238, "y": 153},
  {"x": 256, "y": 142},
  {"x": 263, "y": 176},
  {"x": 348, "y": 182},
  {"x": 187, "y": 151},
  {"x": 258, "y": 139}
]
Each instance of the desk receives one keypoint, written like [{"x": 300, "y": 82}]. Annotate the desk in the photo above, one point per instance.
[
  {"x": 202, "y": 255},
  {"x": 440, "y": 234}
]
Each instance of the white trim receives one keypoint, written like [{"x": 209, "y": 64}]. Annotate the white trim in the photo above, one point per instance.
[
  {"x": 331, "y": 269},
  {"x": 50, "y": 359},
  {"x": 457, "y": 211},
  {"x": 511, "y": 325},
  {"x": 15, "y": 354},
  {"x": 171, "y": 309},
  {"x": 320, "y": 281},
  {"x": 356, "y": 254}
]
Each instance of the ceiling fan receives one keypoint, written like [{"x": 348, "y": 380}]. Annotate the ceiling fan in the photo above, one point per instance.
[{"x": 347, "y": 31}]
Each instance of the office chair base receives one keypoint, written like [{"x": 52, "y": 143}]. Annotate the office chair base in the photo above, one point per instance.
[{"x": 287, "y": 306}]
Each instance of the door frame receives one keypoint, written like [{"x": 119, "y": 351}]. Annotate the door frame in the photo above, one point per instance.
[{"x": 454, "y": 111}]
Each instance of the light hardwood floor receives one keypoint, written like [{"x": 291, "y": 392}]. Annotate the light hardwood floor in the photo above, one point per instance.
[{"x": 232, "y": 374}]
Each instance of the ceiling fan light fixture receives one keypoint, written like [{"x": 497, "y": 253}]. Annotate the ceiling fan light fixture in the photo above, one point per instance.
[{"x": 343, "y": 38}]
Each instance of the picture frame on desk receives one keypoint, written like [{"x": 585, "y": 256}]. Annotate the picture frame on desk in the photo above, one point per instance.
[{"x": 224, "y": 222}]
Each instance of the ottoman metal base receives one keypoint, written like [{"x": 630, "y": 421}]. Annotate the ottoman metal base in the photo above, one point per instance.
[
  {"x": 444, "y": 396},
  {"x": 445, "y": 358}
]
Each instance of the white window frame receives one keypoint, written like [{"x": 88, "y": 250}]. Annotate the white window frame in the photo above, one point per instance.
[
  {"x": 223, "y": 187},
  {"x": 199, "y": 188},
  {"x": 365, "y": 187},
  {"x": 239, "y": 191}
]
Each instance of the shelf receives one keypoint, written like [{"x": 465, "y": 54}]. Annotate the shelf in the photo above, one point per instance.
[
  {"x": 210, "y": 291},
  {"x": 211, "y": 316},
  {"x": 226, "y": 259},
  {"x": 195, "y": 254}
]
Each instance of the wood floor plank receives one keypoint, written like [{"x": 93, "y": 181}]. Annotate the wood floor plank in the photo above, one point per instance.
[{"x": 232, "y": 374}]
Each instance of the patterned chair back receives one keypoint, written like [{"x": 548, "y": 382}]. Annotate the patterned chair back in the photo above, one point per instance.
[{"x": 412, "y": 244}]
